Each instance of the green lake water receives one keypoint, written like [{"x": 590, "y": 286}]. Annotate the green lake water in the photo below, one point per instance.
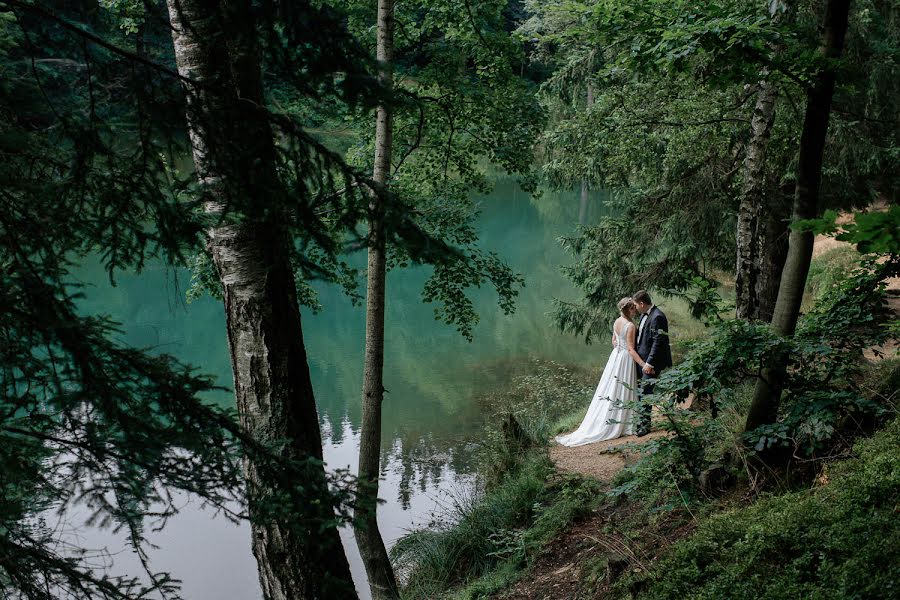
[{"x": 436, "y": 380}]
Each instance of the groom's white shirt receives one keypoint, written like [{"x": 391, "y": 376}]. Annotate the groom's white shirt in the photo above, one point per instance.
[
  {"x": 643, "y": 322},
  {"x": 644, "y": 319}
]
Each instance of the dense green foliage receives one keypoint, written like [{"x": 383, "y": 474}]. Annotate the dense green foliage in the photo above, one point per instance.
[
  {"x": 86, "y": 419},
  {"x": 836, "y": 540},
  {"x": 674, "y": 87},
  {"x": 91, "y": 132}
]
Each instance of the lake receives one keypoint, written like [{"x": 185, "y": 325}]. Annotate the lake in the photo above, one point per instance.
[{"x": 436, "y": 380}]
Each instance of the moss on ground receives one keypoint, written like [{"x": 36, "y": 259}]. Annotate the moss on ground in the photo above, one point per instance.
[{"x": 839, "y": 540}]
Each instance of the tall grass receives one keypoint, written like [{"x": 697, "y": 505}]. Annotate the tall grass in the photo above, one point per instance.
[
  {"x": 475, "y": 536},
  {"x": 483, "y": 539},
  {"x": 826, "y": 271}
]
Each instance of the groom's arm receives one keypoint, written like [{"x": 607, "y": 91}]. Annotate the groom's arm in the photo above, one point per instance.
[{"x": 659, "y": 333}]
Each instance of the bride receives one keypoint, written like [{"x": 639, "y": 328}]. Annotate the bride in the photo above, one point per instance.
[{"x": 607, "y": 417}]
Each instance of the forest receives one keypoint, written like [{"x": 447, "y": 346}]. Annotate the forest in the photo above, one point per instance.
[{"x": 310, "y": 299}]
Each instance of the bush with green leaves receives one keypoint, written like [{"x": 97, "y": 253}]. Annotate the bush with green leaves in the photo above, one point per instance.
[
  {"x": 823, "y": 394},
  {"x": 838, "y": 540},
  {"x": 825, "y": 403}
]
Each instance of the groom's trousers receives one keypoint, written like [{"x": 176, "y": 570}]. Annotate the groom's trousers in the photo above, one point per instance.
[{"x": 647, "y": 383}]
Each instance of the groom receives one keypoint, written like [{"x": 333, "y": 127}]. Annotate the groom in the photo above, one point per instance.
[{"x": 653, "y": 347}]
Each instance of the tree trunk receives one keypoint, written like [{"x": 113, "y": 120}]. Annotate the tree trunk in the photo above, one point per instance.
[
  {"x": 371, "y": 545},
  {"x": 299, "y": 556},
  {"x": 764, "y": 407},
  {"x": 750, "y": 286},
  {"x": 763, "y": 214},
  {"x": 772, "y": 234}
]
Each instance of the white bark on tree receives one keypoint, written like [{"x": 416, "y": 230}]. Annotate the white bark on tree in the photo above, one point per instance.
[
  {"x": 764, "y": 211},
  {"x": 762, "y": 219},
  {"x": 767, "y": 395},
  {"x": 235, "y": 161}
]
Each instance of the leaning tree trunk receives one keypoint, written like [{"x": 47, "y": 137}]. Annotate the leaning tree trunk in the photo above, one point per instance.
[
  {"x": 299, "y": 555},
  {"x": 764, "y": 407},
  {"x": 371, "y": 545}
]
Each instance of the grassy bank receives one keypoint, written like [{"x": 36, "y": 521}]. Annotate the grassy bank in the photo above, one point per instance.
[
  {"x": 839, "y": 539},
  {"x": 682, "y": 522},
  {"x": 487, "y": 539}
]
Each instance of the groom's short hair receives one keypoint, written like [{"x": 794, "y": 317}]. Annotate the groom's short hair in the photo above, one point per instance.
[{"x": 643, "y": 297}]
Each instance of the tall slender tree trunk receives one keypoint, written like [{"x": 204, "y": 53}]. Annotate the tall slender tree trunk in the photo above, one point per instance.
[
  {"x": 752, "y": 288},
  {"x": 762, "y": 217},
  {"x": 235, "y": 160},
  {"x": 371, "y": 545},
  {"x": 764, "y": 407},
  {"x": 582, "y": 212}
]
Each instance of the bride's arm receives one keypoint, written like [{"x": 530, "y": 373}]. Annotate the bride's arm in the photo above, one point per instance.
[{"x": 629, "y": 338}]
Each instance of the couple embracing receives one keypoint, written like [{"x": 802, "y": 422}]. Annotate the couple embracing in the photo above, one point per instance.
[{"x": 640, "y": 353}]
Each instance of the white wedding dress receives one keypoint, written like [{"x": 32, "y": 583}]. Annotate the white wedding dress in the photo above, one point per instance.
[{"x": 607, "y": 418}]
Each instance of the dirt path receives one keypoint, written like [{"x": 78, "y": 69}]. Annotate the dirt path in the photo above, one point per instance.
[{"x": 601, "y": 460}]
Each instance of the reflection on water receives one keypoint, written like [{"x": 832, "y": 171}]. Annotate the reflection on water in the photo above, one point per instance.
[
  {"x": 432, "y": 414},
  {"x": 414, "y": 486}
]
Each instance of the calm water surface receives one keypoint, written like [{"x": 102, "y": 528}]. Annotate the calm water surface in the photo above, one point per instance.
[{"x": 435, "y": 378}]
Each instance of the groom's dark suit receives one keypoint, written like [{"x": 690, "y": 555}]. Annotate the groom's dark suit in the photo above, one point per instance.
[{"x": 653, "y": 347}]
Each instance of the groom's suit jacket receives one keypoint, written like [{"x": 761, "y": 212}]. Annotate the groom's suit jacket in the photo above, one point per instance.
[{"x": 653, "y": 341}]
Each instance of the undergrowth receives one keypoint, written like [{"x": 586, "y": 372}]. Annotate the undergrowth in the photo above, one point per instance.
[
  {"x": 482, "y": 543},
  {"x": 840, "y": 539}
]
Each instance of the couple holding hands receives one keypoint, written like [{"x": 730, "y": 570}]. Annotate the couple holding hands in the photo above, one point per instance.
[{"x": 640, "y": 352}]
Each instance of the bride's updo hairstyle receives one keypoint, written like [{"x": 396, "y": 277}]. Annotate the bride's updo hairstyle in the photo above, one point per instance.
[{"x": 626, "y": 303}]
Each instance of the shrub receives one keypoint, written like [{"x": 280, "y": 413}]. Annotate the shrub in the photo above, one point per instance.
[{"x": 840, "y": 540}]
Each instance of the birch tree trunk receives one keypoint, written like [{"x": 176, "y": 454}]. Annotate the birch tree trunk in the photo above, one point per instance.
[
  {"x": 763, "y": 213},
  {"x": 766, "y": 397},
  {"x": 371, "y": 545},
  {"x": 749, "y": 284},
  {"x": 235, "y": 160}
]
